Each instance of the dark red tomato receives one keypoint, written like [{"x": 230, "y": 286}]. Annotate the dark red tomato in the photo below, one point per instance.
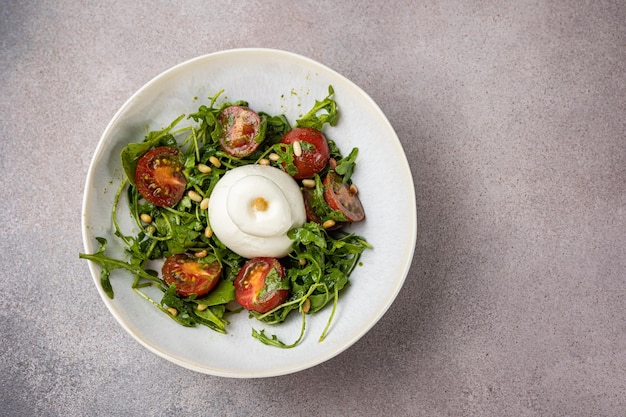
[
  {"x": 312, "y": 160},
  {"x": 159, "y": 176},
  {"x": 342, "y": 197},
  {"x": 190, "y": 275},
  {"x": 240, "y": 128},
  {"x": 257, "y": 286},
  {"x": 311, "y": 215}
]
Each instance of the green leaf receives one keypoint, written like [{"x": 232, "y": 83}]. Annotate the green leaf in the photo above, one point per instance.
[
  {"x": 223, "y": 293},
  {"x": 213, "y": 317},
  {"x": 321, "y": 207},
  {"x": 309, "y": 233},
  {"x": 277, "y": 126},
  {"x": 285, "y": 157},
  {"x": 109, "y": 264},
  {"x": 329, "y": 113},
  {"x": 273, "y": 339},
  {"x": 185, "y": 314},
  {"x": 345, "y": 166}
]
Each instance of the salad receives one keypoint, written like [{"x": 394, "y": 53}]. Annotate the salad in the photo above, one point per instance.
[{"x": 243, "y": 211}]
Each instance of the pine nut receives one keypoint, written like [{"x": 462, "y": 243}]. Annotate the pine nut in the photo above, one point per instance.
[
  {"x": 146, "y": 218},
  {"x": 172, "y": 311},
  {"x": 297, "y": 148},
  {"x": 353, "y": 189},
  {"x": 202, "y": 307},
  {"x": 201, "y": 254},
  {"x": 208, "y": 232},
  {"x": 264, "y": 161},
  {"x": 308, "y": 183},
  {"x": 333, "y": 163},
  {"x": 215, "y": 162},
  {"x": 302, "y": 261},
  {"x": 194, "y": 196},
  {"x": 273, "y": 157},
  {"x": 205, "y": 169},
  {"x": 328, "y": 224},
  {"x": 204, "y": 204},
  {"x": 306, "y": 306}
]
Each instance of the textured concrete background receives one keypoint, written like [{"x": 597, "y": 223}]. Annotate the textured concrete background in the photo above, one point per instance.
[{"x": 513, "y": 118}]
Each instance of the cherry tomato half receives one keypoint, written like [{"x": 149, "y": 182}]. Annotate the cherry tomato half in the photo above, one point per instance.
[
  {"x": 311, "y": 215},
  {"x": 340, "y": 196},
  {"x": 190, "y": 275},
  {"x": 159, "y": 176},
  {"x": 240, "y": 128},
  {"x": 312, "y": 160},
  {"x": 257, "y": 286}
]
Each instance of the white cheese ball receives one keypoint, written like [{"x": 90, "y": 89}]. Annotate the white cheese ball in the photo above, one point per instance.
[{"x": 252, "y": 208}]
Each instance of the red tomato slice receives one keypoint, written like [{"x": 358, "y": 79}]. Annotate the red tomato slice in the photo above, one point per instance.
[
  {"x": 311, "y": 215},
  {"x": 240, "y": 128},
  {"x": 159, "y": 176},
  {"x": 340, "y": 197},
  {"x": 190, "y": 275},
  {"x": 255, "y": 285},
  {"x": 312, "y": 160}
]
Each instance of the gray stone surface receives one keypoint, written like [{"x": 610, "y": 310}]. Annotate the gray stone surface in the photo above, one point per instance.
[{"x": 513, "y": 118}]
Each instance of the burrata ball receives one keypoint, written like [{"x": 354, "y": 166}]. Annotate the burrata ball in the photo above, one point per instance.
[{"x": 252, "y": 208}]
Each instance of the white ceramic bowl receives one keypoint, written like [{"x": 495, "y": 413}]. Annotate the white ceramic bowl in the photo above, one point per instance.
[{"x": 275, "y": 82}]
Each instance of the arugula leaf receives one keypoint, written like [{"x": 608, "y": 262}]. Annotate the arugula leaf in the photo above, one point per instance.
[
  {"x": 223, "y": 293},
  {"x": 274, "y": 341},
  {"x": 317, "y": 121},
  {"x": 184, "y": 314},
  {"x": 213, "y": 317},
  {"x": 345, "y": 166},
  {"x": 276, "y": 128},
  {"x": 109, "y": 264},
  {"x": 188, "y": 315},
  {"x": 183, "y": 239},
  {"x": 309, "y": 233},
  {"x": 285, "y": 157}
]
